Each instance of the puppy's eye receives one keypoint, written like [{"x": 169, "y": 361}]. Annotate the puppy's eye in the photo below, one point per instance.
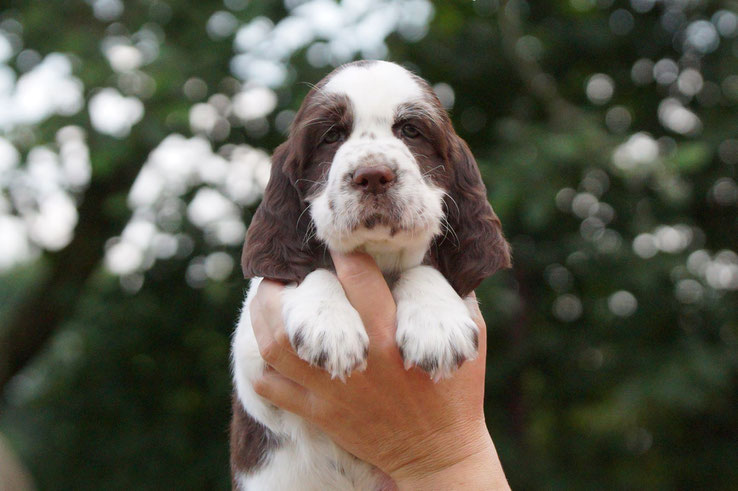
[
  {"x": 332, "y": 136},
  {"x": 410, "y": 131}
]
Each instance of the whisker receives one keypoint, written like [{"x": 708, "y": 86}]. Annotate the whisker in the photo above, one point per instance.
[
  {"x": 449, "y": 229},
  {"x": 325, "y": 251},
  {"x": 431, "y": 170},
  {"x": 311, "y": 233},
  {"x": 307, "y": 180},
  {"x": 297, "y": 225},
  {"x": 458, "y": 211}
]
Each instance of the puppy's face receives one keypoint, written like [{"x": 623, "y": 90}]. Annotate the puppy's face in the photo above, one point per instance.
[
  {"x": 373, "y": 163},
  {"x": 377, "y": 160}
]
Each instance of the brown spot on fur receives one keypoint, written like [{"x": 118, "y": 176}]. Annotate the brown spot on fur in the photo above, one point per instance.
[
  {"x": 298, "y": 339},
  {"x": 428, "y": 364},
  {"x": 321, "y": 359},
  {"x": 251, "y": 442}
]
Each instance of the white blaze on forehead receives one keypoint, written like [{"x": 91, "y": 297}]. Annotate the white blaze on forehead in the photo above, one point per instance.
[{"x": 375, "y": 89}]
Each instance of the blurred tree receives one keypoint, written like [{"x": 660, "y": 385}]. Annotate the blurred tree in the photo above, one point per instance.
[{"x": 606, "y": 133}]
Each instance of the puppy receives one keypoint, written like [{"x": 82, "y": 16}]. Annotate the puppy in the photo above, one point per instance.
[{"x": 372, "y": 164}]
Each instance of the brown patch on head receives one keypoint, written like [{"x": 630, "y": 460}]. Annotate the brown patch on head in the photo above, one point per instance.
[
  {"x": 473, "y": 246},
  {"x": 321, "y": 126},
  {"x": 433, "y": 125},
  {"x": 279, "y": 244},
  {"x": 251, "y": 442}
]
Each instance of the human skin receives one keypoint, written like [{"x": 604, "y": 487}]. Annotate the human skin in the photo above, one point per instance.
[{"x": 422, "y": 434}]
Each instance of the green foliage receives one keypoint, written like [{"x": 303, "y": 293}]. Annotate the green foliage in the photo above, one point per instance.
[{"x": 133, "y": 391}]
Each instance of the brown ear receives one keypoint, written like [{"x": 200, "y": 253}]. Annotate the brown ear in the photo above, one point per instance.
[
  {"x": 276, "y": 246},
  {"x": 474, "y": 247}
]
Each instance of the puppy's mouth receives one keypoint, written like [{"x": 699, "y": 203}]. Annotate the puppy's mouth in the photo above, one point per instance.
[{"x": 376, "y": 211}]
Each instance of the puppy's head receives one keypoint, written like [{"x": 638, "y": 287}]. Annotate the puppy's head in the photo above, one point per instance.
[{"x": 372, "y": 163}]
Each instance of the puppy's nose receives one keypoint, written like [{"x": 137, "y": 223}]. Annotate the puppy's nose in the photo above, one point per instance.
[{"x": 375, "y": 179}]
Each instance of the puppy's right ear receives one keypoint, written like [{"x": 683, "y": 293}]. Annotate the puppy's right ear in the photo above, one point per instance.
[{"x": 275, "y": 247}]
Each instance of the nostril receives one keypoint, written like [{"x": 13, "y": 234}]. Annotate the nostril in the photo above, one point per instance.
[{"x": 375, "y": 179}]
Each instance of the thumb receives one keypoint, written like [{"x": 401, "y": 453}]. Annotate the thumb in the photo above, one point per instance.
[{"x": 368, "y": 292}]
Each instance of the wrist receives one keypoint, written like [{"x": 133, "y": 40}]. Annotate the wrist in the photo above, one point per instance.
[{"x": 475, "y": 466}]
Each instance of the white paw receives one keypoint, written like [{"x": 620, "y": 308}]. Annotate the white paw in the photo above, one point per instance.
[
  {"x": 435, "y": 330},
  {"x": 435, "y": 340},
  {"x": 333, "y": 339},
  {"x": 323, "y": 327}
]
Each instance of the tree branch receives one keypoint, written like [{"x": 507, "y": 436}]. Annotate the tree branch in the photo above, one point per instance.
[{"x": 540, "y": 84}]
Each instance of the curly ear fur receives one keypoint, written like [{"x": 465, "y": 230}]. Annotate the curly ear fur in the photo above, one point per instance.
[
  {"x": 475, "y": 248},
  {"x": 275, "y": 245}
]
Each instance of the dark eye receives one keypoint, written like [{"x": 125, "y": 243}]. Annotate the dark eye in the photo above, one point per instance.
[
  {"x": 410, "y": 131},
  {"x": 332, "y": 136}
]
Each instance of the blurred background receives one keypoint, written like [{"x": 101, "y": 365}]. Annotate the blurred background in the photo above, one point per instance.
[{"x": 134, "y": 146}]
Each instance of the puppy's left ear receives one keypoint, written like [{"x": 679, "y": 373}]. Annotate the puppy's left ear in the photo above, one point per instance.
[
  {"x": 274, "y": 246},
  {"x": 474, "y": 248}
]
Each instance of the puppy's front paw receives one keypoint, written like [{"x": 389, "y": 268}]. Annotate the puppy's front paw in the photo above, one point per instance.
[
  {"x": 335, "y": 341},
  {"x": 325, "y": 329},
  {"x": 435, "y": 339}
]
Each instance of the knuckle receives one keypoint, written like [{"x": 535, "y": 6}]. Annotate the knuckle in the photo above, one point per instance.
[
  {"x": 281, "y": 338},
  {"x": 319, "y": 414},
  {"x": 270, "y": 351},
  {"x": 261, "y": 387}
]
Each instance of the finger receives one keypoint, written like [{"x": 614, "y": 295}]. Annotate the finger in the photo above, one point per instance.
[
  {"x": 273, "y": 341},
  {"x": 480, "y": 362},
  {"x": 472, "y": 304},
  {"x": 283, "y": 392},
  {"x": 266, "y": 318},
  {"x": 368, "y": 292},
  {"x": 268, "y": 298}
]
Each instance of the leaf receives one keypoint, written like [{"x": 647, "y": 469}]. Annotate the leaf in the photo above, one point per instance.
[{"x": 690, "y": 157}]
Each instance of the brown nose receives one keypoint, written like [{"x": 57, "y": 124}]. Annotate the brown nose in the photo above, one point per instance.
[{"x": 375, "y": 179}]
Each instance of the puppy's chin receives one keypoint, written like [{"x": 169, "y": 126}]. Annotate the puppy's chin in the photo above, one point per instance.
[
  {"x": 394, "y": 249},
  {"x": 380, "y": 220}
]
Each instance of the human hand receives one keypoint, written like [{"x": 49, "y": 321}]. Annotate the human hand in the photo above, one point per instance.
[{"x": 424, "y": 435}]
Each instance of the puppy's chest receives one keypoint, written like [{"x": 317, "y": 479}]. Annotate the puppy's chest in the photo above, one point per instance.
[{"x": 317, "y": 465}]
